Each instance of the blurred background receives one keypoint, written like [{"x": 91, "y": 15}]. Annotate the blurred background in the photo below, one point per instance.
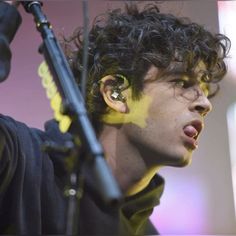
[{"x": 198, "y": 199}]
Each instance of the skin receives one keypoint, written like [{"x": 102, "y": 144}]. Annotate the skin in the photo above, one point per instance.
[{"x": 141, "y": 136}]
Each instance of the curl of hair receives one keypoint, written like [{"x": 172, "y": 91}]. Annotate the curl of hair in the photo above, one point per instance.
[{"x": 128, "y": 42}]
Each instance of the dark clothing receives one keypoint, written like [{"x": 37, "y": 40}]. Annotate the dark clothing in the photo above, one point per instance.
[
  {"x": 9, "y": 22},
  {"x": 32, "y": 184},
  {"x": 31, "y": 201}
]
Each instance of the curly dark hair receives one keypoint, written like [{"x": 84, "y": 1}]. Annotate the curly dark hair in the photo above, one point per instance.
[{"x": 129, "y": 41}]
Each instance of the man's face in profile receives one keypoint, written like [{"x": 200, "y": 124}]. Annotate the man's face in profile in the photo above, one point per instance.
[{"x": 164, "y": 125}]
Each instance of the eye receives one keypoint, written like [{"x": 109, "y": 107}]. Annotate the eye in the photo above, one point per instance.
[{"x": 181, "y": 83}]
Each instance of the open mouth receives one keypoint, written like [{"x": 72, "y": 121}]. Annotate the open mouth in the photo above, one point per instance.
[{"x": 192, "y": 131}]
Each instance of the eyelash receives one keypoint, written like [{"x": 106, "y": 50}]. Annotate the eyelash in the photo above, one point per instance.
[{"x": 181, "y": 83}]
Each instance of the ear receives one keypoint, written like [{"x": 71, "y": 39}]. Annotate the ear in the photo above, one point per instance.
[{"x": 112, "y": 95}]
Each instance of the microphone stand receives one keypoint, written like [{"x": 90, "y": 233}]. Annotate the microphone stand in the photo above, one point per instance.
[{"x": 81, "y": 128}]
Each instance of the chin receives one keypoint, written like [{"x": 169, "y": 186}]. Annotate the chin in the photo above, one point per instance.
[
  {"x": 181, "y": 160},
  {"x": 184, "y": 162}
]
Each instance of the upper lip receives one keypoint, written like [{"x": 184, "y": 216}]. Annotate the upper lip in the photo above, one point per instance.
[{"x": 197, "y": 125}]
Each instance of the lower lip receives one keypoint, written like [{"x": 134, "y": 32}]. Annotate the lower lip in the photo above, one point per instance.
[{"x": 190, "y": 142}]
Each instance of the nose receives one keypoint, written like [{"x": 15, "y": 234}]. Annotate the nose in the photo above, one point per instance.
[{"x": 201, "y": 105}]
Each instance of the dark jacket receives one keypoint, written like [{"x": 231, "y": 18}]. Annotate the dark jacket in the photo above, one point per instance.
[
  {"x": 9, "y": 22},
  {"x": 32, "y": 182}
]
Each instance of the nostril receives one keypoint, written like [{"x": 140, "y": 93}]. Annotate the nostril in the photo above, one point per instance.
[{"x": 202, "y": 110}]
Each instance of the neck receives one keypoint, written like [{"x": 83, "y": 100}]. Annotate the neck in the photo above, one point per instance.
[
  {"x": 126, "y": 162},
  {"x": 143, "y": 183}
]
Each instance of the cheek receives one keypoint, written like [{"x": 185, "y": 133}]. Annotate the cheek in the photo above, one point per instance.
[
  {"x": 165, "y": 119},
  {"x": 138, "y": 111}
]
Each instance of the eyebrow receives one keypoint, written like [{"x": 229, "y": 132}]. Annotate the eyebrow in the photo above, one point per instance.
[{"x": 190, "y": 74}]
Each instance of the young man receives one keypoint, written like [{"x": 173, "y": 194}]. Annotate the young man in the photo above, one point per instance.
[{"x": 149, "y": 82}]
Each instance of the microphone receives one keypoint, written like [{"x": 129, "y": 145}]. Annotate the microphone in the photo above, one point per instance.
[{"x": 28, "y": 4}]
